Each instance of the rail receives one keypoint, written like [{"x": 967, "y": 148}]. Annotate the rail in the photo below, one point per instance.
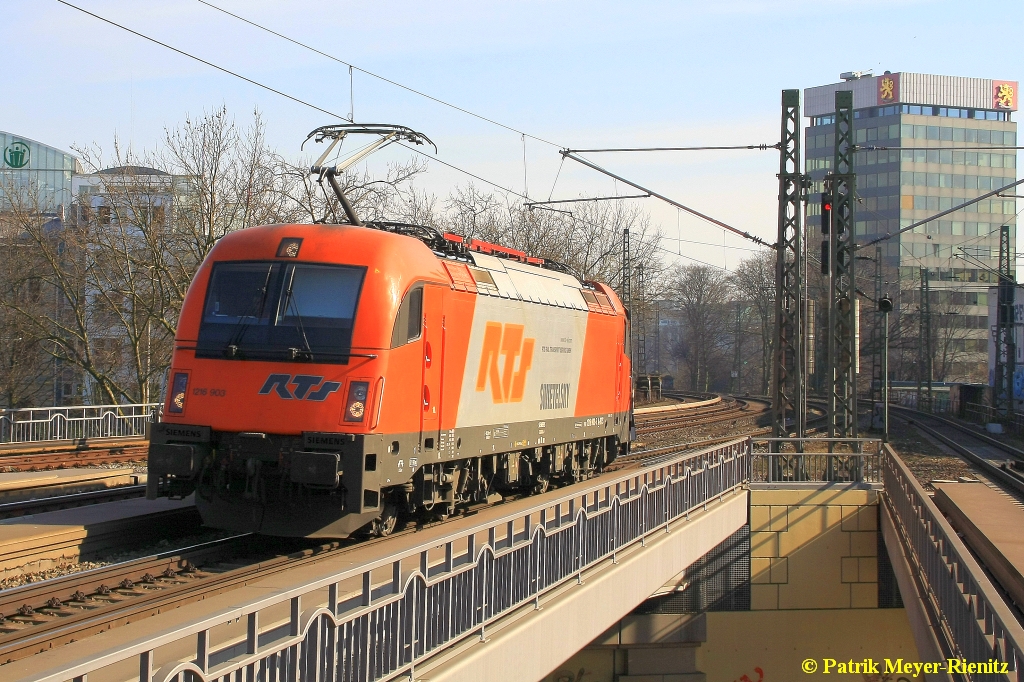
[
  {"x": 42, "y": 424},
  {"x": 381, "y": 630},
  {"x": 974, "y": 620}
]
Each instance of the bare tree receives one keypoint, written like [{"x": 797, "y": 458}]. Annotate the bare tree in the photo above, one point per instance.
[
  {"x": 587, "y": 240},
  {"x": 118, "y": 263},
  {"x": 391, "y": 197},
  {"x": 951, "y": 335},
  {"x": 26, "y": 369},
  {"x": 702, "y": 292},
  {"x": 754, "y": 283}
]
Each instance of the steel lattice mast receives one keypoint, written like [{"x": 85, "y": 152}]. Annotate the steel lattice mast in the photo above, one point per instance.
[
  {"x": 842, "y": 342},
  {"x": 787, "y": 368},
  {"x": 639, "y": 320},
  {"x": 876, "y": 341},
  {"x": 1006, "y": 353},
  {"x": 625, "y": 293},
  {"x": 925, "y": 342}
]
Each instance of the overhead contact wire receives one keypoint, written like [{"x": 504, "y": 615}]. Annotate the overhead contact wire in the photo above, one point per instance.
[
  {"x": 375, "y": 75},
  {"x": 444, "y": 163},
  {"x": 691, "y": 211},
  {"x": 761, "y": 147},
  {"x": 203, "y": 61},
  {"x": 492, "y": 121}
]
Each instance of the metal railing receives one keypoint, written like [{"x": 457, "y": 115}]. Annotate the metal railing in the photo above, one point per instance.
[
  {"x": 365, "y": 630},
  {"x": 978, "y": 413},
  {"x": 385, "y": 628},
  {"x": 972, "y": 616},
  {"x": 983, "y": 414},
  {"x": 852, "y": 460},
  {"x": 39, "y": 424},
  {"x": 940, "y": 404}
]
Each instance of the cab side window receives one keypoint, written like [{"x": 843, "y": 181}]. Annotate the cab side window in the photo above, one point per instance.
[{"x": 409, "y": 324}]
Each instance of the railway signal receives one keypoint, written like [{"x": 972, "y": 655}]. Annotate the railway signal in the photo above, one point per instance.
[
  {"x": 826, "y": 225},
  {"x": 885, "y": 307}
]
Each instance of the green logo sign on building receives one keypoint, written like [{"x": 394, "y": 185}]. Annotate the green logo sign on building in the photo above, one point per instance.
[{"x": 17, "y": 155}]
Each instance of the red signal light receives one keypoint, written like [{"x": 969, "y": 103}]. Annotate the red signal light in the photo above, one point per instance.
[{"x": 826, "y": 213}]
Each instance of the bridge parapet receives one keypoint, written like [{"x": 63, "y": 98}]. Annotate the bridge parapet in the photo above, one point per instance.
[
  {"x": 398, "y": 608},
  {"x": 962, "y": 614},
  {"x": 373, "y": 629}
]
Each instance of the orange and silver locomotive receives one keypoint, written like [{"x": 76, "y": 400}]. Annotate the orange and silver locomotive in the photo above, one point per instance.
[{"x": 328, "y": 378}]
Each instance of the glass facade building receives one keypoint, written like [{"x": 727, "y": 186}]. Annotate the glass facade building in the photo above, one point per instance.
[
  {"x": 35, "y": 174},
  {"x": 926, "y": 143}
]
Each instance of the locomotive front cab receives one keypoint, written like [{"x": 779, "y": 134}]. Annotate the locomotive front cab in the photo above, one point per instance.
[{"x": 273, "y": 411}]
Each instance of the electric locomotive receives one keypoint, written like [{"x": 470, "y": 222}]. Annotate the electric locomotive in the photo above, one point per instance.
[{"x": 328, "y": 378}]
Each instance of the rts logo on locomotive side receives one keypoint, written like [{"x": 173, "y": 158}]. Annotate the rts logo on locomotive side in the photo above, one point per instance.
[
  {"x": 506, "y": 385},
  {"x": 307, "y": 387}
]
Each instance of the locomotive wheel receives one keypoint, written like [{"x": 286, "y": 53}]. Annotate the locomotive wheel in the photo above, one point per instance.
[
  {"x": 385, "y": 524},
  {"x": 541, "y": 482}
]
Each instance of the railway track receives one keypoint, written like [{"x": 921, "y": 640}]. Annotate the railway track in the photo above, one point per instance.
[
  {"x": 39, "y": 616},
  {"x": 1000, "y": 461},
  {"x": 729, "y": 408},
  {"x": 9, "y": 510},
  {"x": 36, "y": 456},
  {"x": 684, "y": 417},
  {"x": 976, "y": 512}
]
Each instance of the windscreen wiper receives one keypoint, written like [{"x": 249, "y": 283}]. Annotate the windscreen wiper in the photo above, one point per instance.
[
  {"x": 293, "y": 305},
  {"x": 231, "y": 349}
]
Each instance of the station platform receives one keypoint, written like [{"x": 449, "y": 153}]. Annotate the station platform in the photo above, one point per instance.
[
  {"x": 43, "y": 541},
  {"x": 33, "y": 485},
  {"x": 990, "y": 523}
]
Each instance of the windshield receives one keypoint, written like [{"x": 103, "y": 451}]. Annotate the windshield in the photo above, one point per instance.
[{"x": 280, "y": 311}]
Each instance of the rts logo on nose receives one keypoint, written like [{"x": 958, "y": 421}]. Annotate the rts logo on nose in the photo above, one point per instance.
[{"x": 304, "y": 385}]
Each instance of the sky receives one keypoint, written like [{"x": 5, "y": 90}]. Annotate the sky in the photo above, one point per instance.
[{"x": 574, "y": 74}]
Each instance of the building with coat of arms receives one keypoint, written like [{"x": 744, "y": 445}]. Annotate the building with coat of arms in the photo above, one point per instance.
[{"x": 925, "y": 144}]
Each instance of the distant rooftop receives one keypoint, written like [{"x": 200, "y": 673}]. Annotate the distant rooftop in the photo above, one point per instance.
[
  {"x": 913, "y": 88},
  {"x": 131, "y": 170}
]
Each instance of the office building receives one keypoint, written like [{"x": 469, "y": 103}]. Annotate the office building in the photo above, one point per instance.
[
  {"x": 926, "y": 143},
  {"x": 34, "y": 175}
]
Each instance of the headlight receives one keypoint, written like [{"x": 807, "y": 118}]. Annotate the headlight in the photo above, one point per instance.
[
  {"x": 179, "y": 388},
  {"x": 355, "y": 405}
]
